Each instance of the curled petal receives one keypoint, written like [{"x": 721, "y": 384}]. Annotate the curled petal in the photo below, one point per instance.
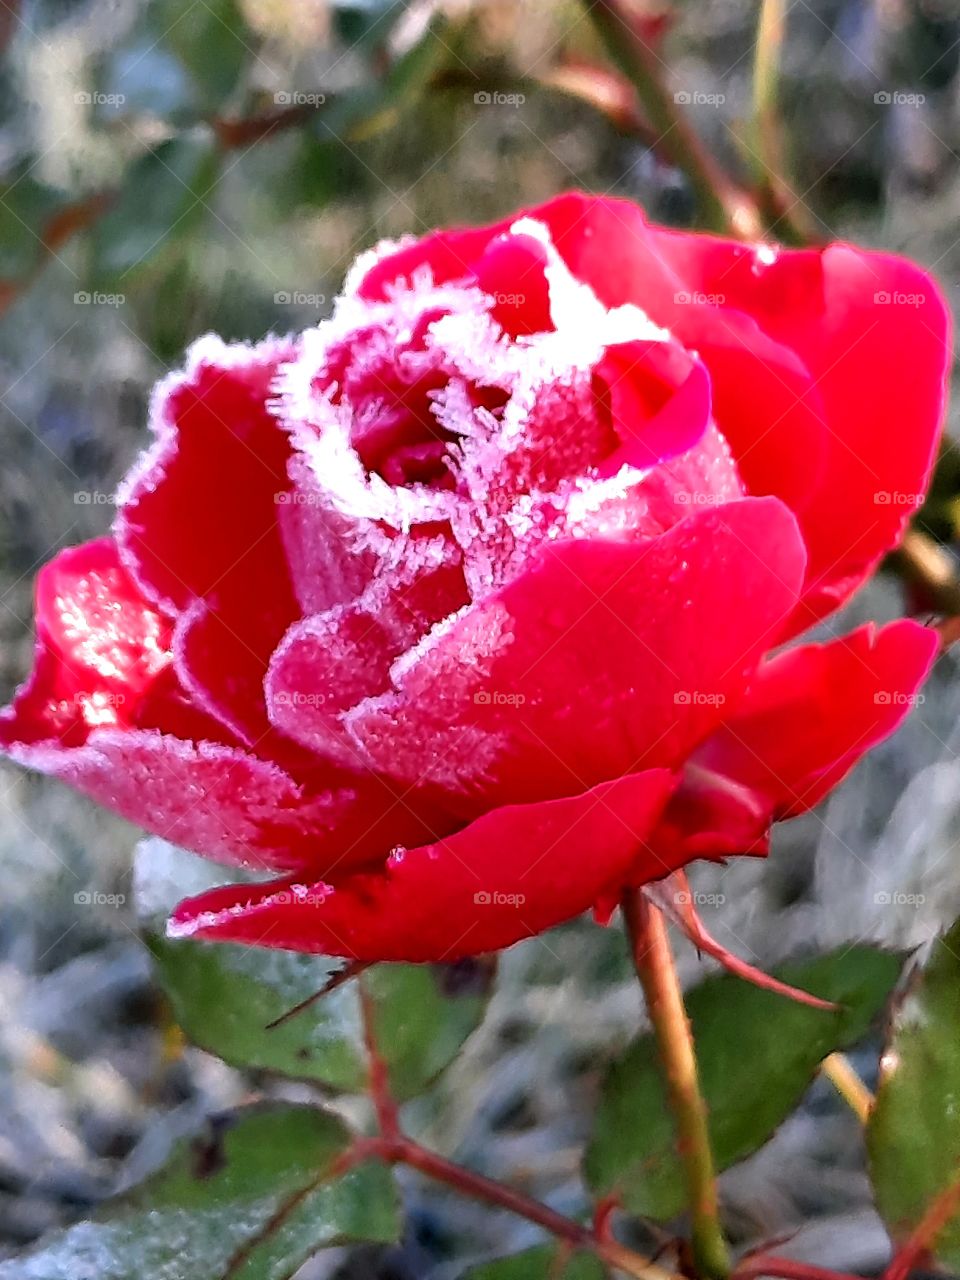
[{"x": 810, "y": 715}]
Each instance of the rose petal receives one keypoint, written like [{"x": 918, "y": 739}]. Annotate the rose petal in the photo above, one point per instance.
[
  {"x": 198, "y": 520},
  {"x": 231, "y": 806},
  {"x": 810, "y": 715},
  {"x": 873, "y": 334},
  {"x": 100, "y": 646},
  {"x": 603, "y": 658},
  {"x": 510, "y": 874}
]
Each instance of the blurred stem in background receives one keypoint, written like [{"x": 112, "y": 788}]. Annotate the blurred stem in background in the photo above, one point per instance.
[
  {"x": 653, "y": 960},
  {"x": 788, "y": 214},
  {"x": 723, "y": 206}
]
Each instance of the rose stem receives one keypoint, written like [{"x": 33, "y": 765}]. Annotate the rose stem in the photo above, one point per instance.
[
  {"x": 384, "y": 1105},
  {"x": 653, "y": 960},
  {"x": 723, "y": 205},
  {"x": 939, "y": 1214},
  {"x": 788, "y": 208},
  {"x": 393, "y": 1146},
  {"x": 478, "y": 1187},
  {"x": 848, "y": 1084},
  {"x": 759, "y": 1264}
]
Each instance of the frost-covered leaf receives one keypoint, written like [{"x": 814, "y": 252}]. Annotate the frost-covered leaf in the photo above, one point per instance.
[
  {"x": 757, "y": 1053},
  {"x": 250, "y": 1200},
  {"x": 914, "y": 1131},
  {"x": 224, "y": 996}
]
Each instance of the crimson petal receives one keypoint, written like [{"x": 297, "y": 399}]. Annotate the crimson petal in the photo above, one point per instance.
[{"x": 510, "y": 874}]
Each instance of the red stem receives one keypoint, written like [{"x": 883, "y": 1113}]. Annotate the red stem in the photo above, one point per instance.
[
  {"x": 759, "y": 1264},
  {"x": 388, "y": 1120}
]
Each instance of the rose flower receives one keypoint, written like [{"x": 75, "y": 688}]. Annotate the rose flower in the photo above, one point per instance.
[{"x": 477, "y": 602}]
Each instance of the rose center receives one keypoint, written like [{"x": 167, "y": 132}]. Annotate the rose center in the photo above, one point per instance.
[{"x": 389, "y": 385}]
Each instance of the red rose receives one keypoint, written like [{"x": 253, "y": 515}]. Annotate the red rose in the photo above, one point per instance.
[{"x": 453, "y": 611}]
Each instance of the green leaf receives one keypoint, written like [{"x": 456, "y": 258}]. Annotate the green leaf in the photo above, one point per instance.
[
  {"x": 165, "y": 195},
  {"x": 26, "y": 207},
  {"x": 913, "y": 1136},
  {"x": 251, "y": 1200},
  {"x": 211, "y": 41},
  {"x": 539, "y": 1264},
  {"x": 757, "y": 1053},
  {"x": 224, "y": 996}
]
